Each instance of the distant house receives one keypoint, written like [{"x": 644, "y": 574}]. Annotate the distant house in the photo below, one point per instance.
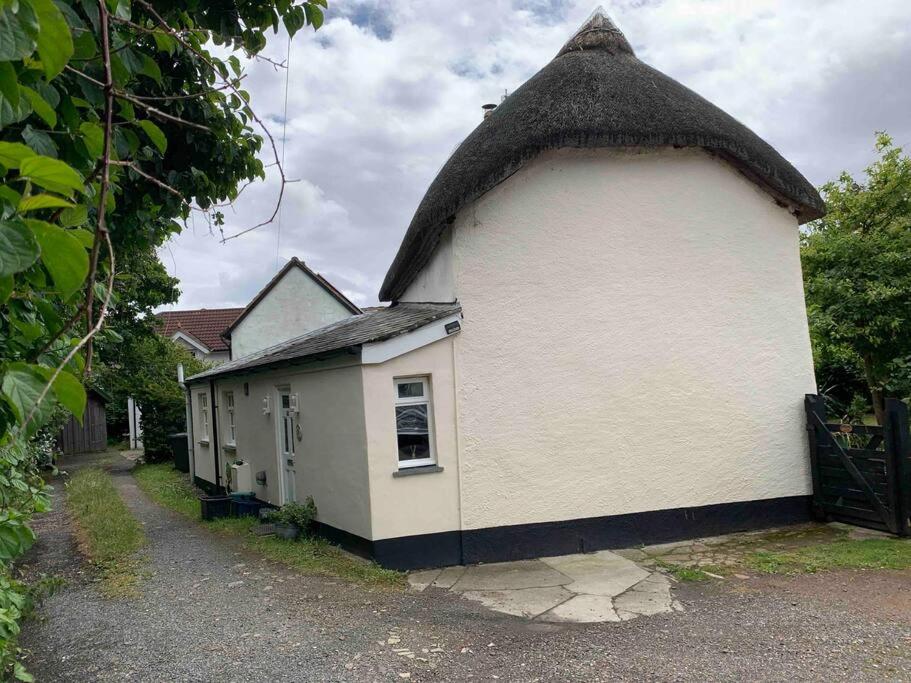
[
  {"x": 597, "y": 337},
  {"x": 201, "y": 331},
  {"x": 294, "y": 302}
]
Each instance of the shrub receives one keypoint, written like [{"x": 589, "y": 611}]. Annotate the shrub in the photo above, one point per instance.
[
  {"x": 147, "y": 371},
  {"x": 301, "y": 516}
]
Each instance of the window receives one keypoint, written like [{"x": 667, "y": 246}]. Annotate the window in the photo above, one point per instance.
[
  {"x": 231, "y": 439},
  {"x": 413, "y": 419},
  {"x": 204, "y": 417}
]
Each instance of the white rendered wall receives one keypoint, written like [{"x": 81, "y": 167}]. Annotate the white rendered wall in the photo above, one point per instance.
[
  {"x": 635, "y": 339},
  {"x": 330, "y": 457},
  {"x": 423, "y": 503},
  {"x": 295, "y": 306},
  {"x": 435, "y": 281}
]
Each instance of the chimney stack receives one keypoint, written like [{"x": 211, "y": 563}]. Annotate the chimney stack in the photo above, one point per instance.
[{"x": 488, "y": 109}]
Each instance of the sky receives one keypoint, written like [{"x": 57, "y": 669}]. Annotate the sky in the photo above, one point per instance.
[{"x": 380, "y": 96}]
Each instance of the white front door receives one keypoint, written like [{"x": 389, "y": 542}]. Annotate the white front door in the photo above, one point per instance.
[{"x": 286, "y": 428}]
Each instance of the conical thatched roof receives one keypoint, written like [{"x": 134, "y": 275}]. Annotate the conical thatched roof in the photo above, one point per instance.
[{"x": 594, "y": 93}]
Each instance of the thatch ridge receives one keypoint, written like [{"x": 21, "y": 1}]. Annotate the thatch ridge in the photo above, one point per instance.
[{"x": 594, "y": 94}]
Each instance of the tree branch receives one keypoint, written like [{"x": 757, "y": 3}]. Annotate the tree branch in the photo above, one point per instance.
[
  {"x": 139, "y": 103},
  {"x": 281, "y": 192}
]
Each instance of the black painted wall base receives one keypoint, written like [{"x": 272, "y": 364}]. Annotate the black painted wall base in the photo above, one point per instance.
[
  {"x": 206, "y": 486},
  {"x": 524, "y": 541}
]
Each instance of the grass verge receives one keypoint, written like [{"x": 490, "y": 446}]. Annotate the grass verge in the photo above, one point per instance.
[
  {"x": 871, "y": 553},
  {"x": 169, "y": 488},
  {"x": 107, "y": 531}
]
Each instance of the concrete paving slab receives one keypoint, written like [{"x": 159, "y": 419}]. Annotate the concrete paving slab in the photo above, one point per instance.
[
  {"x": 448, "y": 576},
  {"x": 631, "y": 554},
  {"x": 418, "y": 581},
  {"x": 651, "y": 596},
  {"x": 603, "y": 573},
  {"x": 510, "y": 576},
  {"x": 583, "y": 609},
  {"x": 523, "y": 602},
  {"x": 666, "y": 548}
]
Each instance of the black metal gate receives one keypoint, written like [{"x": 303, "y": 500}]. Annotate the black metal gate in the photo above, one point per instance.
[{"x": 861, "y": 473}]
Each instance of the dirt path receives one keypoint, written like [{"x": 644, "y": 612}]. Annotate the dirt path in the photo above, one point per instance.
[{"x": 210, "y": 611}]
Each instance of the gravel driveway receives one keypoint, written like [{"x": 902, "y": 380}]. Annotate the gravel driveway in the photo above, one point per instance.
[{"x": 210, "y": 611}]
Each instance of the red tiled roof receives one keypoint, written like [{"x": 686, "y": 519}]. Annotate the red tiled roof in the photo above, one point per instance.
[{"x": 203, "y": 324}]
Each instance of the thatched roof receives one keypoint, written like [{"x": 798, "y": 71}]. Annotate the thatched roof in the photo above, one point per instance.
[{"x": 594, "y": 93}]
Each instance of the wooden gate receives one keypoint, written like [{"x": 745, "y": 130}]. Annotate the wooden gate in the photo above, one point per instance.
[{"x": 861, "y": 473}]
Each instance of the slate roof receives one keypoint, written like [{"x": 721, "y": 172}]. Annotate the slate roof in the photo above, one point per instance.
[
  {"x": 595, "y": 93},
  {"x": 371, "y": 326},
  {"x": 205, "y": 325},
  {"x": 293, "y": 263}
]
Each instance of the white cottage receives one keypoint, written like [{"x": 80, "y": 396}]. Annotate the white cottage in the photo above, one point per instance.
[
  {"x": 294, "y": 302},
  {"x": 597, "y": 338}
]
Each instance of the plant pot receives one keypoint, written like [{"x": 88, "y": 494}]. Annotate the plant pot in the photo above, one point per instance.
[
  {"x": 287, "y": 531},
  {"x": 214, "y": 507}
]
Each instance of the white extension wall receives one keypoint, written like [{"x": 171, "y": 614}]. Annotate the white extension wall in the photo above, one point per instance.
[
  {"x": 635, "y": 339},
  {"x": 294, "y": 306}
]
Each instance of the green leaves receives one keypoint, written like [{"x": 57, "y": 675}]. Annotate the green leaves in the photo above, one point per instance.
[
  {"x": 93, "y": 135},
  {"x": 39, "y": 106},
  {"x": 18, "y": 247},
  {"x": 13, "y": 153},
  {"x": 63, "y": 255},
  {"x": 68, "y": 390},
  {"x": 51, "y": 174},
  {"x": 42, "y": 201},
  {"x": 9, "y": 86},
  {"x": 22, "y": 386},
  {"x": 55, "y": 44},
  {"x": 18, "y": 31},
  {"x": 155, "y": 134}
]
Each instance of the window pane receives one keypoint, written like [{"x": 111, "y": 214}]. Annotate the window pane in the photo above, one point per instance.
[
  {"x": 286, "y": 401},
  {"x": 411, "y": 389},
  {"x": 413, "y": 435}
]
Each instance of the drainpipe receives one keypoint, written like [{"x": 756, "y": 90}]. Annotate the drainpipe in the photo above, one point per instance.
[
  {"x": 188, "y": 408},
  {"x": 458, "y": 429},
  {"x": 214, "y": 435}
]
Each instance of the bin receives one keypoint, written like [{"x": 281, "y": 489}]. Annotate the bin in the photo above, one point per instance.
[
  {"x": 178, "y": 444},
  {"x": 244, "y": 505},
  {"x": 213, "y": 507}
]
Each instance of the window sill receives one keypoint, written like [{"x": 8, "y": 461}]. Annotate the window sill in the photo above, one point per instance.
[{"x": 424, "y": 469}]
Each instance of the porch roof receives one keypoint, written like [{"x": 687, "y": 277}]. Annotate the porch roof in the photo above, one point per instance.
[{"x": 371, "y": 326}]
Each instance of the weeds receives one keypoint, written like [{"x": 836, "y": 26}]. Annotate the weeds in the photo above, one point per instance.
[{"x": 107, "y": 531}]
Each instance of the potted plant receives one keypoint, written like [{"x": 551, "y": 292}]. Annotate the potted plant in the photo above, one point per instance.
[{"x": 292, "y": 519}]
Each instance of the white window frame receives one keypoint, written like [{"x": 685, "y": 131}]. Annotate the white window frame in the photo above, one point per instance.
[
  {"x": 426, "y": 399},
  {"x": 204, "y": 417},
  {"x": 230, "y": 425}
]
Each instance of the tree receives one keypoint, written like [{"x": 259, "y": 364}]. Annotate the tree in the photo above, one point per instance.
[
  {"x": 146, "y": 369},
  {"x": 857, "y": 274},
  {"x": 117, "y": 120}
]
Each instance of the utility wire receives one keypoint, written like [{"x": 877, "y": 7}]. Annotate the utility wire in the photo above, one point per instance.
[{"x": 278, "y": 235}]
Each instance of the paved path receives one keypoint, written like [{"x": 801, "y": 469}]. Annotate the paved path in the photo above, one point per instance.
[
  {"x": 589, "y": 588},
  {"x": 211, "y": 612}
]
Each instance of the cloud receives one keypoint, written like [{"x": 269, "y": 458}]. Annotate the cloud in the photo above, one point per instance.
[{"x": 384, "y": 92}]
